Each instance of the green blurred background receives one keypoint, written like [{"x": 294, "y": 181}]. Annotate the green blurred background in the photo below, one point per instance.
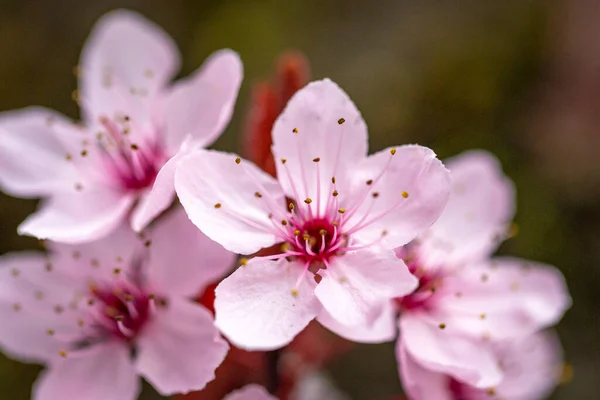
[{"x": 518, "y": 77}]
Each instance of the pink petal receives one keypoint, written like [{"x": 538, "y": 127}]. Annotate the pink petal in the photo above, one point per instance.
[
  {"x": 420, "y": 383},
  {"x": 412, "y": 193},
  {"x": 315, "y": 384},
  {"x": 315, "y": 111},
  {"x": 181, "y": 349},
  {"x": 201, "y": 105},
  {"x": 126, "y": 62},
  {"x": 28, "y": 295},
  {"x": 358, "y": 284},
  {"x": 182, "y": 260},
  {"x": 103, "y": 372},
  {"x": 479, "y": 210},
  {"x": 532, "y": 367},
  {"x": 263, "y": 306},
  {"x": 382, "y": 330},
  {"x": 81, "y": 216},
  {"x": 219, "y": 196},
  {"x": 160, "y": 197},
  {"x": 504, "y": 298},
  {"x": 33, "y": 153},
  {"x": 441, "y": 350},
  {"x": 250, "y": 392}
]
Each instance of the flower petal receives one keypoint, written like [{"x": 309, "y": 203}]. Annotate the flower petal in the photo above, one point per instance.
[
  {"x": 504, "y": 298},
  {"x": 33, "y": 152},
  {"x": 419, "y": 382},
  {"x": 201, "y": 105},
  {"x": 78, "y": 217},
  {"x": 479, "y": 210},
  {"x": 411, "y": 194},
  {"x": 126, "y": 62},
  {"x": 261, "y": 307},
  {"x": 160, "y": 197},
  {"x": 441, "y": 350},
  {"x": 28, "y": 294},
  {"x": 315, "y": 112},
  {"x": 532, "y": 367},
  {"x": 357, "y": 285},
  {"x": 106, "y": 372},
  {"x": 250, "y": 392},
  {"x": 181, "y": 349},
  {"x": 183, "y": 261},
  {"x": 219, "y": 196},
  {"x": 382, "y": 330}
]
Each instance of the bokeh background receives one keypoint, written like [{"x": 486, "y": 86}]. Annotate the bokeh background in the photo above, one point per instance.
[{"x": 520, "y": 78}]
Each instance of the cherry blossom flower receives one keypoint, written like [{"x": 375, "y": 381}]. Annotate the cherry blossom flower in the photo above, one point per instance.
[
  {"x": 313, "y": 385},
  {"x": 346, "y": 215},
  {"x": 531, "y": 370},
  {"x": 92, "y": 175},
  {"x": 100, "y": 314},
  {"x": 466, "y": 299}
]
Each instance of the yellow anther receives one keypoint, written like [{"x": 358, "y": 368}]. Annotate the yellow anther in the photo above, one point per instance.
[
  {"x": 404, "y": 194},
  {"x": 482, "y": 316},
  {"x": 257, "y": 195},
  {"x": 134, "y": 146},
  {"x": 393, "y": 151},
  {"x": 335, "y": 193},
  {"x": 50, "y": 332},
  {"x": 323, "y": 232},
  {"x": 68, "y": 157},
  {"x": 317, "y": 159},
  {"x": 147, "y": 243},
  {"x": 297, "y": 232},
  {"x": 306, "y": 236},
  {"x": 567, "y": 373},
  {"x": 295, "y": 292},
  {"x": 341, "y": 121},
  {"x": 308, "y": 200},
  {"x": 375, "y": 195},
  {"x": 342, "y": 210},
  {"x": 295, "y": 130},
  {"x": 370, "y": 182},
  {"x": 283, "y": 160},
  {"x": 151, "y": 296},
  {"x": 284, "y": 222},
  {"x": 84, "y": 153},
  {"x": 335, "y": 223},
  {"x": 442, "y": 326},
  {"x": 491, "y": 391},
  {"x": 117, "y": 271},
  {"x": 243, "y": 261},
  {"x": 384, "y": 233},
  {"x": 333, "y": 179},
  {"x": 218, "y": 205},
  {"x": 291, "y": 206},
  {"x": 62, "y": 353},
  {"x": 238, "y": 160}
]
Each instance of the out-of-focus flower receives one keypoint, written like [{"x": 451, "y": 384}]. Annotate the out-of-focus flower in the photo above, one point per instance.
[
  {"x": 531, "y": 369},
  {"x": 135, "y": 127},
  {"x": 312, "y": 386},
  {"x": 250, "y": 392},
  {"x": 464, "y": 299},
  {"x": 348, "y": 211},
  {"x": 100, "y": 314}
]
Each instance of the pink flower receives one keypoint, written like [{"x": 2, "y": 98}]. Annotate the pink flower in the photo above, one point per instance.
[
  {"x": 347, "y": 212},
  {"x": 102, "y": 313},
  {"x": 250, "y": 392},
  {"x": 531, "y": 369},
  {"x": 91, "y": 175},
  {"x": 465, "y": 299}
]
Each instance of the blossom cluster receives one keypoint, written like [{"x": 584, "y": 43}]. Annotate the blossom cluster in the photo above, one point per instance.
[{"x": 138, "y": 218}]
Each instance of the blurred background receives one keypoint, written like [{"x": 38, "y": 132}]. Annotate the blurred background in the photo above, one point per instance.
[{"x": 520, "y": 78}]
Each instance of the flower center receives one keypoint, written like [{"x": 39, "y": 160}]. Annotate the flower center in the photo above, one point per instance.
[
  {"x": 429, "y": 283},
  {"x": 316, "y": 240},
  {"x": 132, "y": 166},
  {"x": 123, "y": 311}
]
